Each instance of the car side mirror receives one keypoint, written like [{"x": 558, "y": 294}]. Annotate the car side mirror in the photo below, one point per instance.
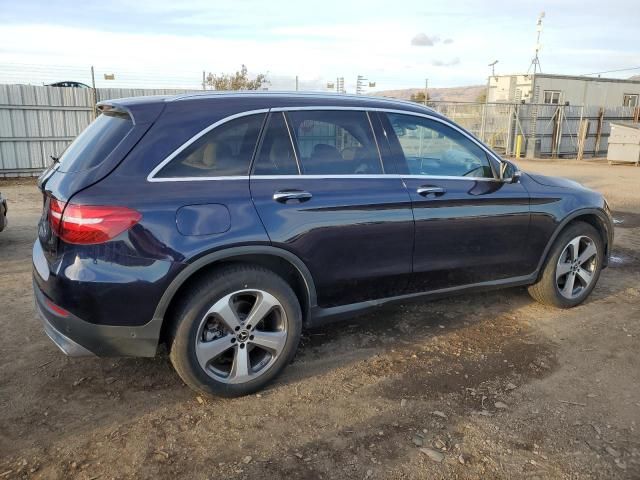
[{"x": 509, "y": 173}]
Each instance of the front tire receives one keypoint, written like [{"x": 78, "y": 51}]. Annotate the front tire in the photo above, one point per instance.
[
  {"x": 236, "y": 330},
  {"x": 572, "y": 268}
]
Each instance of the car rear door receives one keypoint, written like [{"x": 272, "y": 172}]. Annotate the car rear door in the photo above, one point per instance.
[
  {"x": 322, "y": 192},
  {"x": 471, "y": 228}
]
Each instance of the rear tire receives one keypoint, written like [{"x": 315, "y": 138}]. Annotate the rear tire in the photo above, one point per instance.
[
  {"x": 572, "y": 268},
  {"x": 235, "y": 331}
]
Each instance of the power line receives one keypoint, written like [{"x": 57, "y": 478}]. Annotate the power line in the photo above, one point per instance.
[{"x": 612, "y": 71}]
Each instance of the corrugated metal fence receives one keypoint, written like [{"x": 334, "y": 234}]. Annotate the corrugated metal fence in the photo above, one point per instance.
[{"x": 37, "y": 122}]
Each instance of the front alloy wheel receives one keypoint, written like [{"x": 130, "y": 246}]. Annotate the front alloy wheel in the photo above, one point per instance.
[
  {"x": 576, "y": 267},
  {"x": 572, "y": 267}
]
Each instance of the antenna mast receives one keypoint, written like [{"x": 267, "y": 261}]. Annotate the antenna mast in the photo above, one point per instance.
[{"x": 535, "y": 62}]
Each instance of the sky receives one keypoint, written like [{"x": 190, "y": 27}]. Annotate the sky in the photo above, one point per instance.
[{"x": 168, "y": 43}]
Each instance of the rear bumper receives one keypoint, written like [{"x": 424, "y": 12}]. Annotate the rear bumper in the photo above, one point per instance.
[
  {"x": 78, "y": 338},
  {"x": 3, "y": 213},
  {"x": 64, "y": 343}
]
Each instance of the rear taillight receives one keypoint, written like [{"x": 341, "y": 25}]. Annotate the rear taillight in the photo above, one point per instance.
[{"x": 89, "y": 224}]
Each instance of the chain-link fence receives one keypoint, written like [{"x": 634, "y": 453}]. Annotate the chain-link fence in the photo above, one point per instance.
[{"x": 539, "y": 130}]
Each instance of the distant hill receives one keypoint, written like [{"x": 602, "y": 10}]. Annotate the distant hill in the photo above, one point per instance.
[
  {"x": 452, "y": 94},
  {"x": 635, "y": 77}
]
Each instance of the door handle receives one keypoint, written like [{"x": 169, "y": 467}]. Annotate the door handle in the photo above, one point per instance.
[
  {"x": 430, "y": 190},
  {"x": 283, "y": 196}
]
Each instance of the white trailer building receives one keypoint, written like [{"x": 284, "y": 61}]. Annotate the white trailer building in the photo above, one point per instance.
[{"x": 564, "y": 90}]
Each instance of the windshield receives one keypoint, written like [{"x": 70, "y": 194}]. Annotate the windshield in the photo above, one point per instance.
[{"x": 96, "y": 142}]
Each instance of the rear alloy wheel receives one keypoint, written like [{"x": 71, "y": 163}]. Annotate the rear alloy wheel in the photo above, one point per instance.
[
  {"x": 236, "y": 330},
  {"x": 572, "y": 267},
  {"x": 241, "y": 336}
]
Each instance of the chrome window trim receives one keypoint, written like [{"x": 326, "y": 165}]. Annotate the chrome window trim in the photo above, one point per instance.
[
  {"x": 293, "y": 144},
  {"x": 197, "y": 179},
  {"x": 369, "y": 175},
  {"x": 176, "y": 152},
  {"x": 151, "y": 176},
  {"x": 375, "y": 140}
]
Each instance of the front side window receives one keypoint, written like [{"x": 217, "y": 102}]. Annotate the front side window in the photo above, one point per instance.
[
  {"x": 630, "y": 100},
  {"x": 224, "y": 151},
  {"x": 552, "y": 97},
  {"x": 432, "y": 148},
  {"x": 335, "y": 142}
]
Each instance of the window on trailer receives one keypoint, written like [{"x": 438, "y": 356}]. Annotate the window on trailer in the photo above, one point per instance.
[
  {"x": 630, "y": 100},
  {"x": 552, "y": 97}
]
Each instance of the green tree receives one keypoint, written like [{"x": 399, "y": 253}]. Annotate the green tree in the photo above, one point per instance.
[{"x": 237, "y": 81}]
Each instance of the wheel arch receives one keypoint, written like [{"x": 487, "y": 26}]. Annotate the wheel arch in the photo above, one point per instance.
[
  {"x": 594, "y": 217},
  {"x": 281, "y": 262}
]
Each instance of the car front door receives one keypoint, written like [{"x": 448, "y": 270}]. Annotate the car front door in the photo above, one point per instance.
[
  {"x": 320, "y": 188},
  {"x": 471, "y": 228}
]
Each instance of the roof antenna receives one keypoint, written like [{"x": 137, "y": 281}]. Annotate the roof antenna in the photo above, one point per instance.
[
  {"x": 493, "y": 67},
  {"x": 535, "y": 62}
]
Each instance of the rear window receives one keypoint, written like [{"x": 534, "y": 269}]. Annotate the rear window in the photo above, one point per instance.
[{"x": 96, "y": 142}]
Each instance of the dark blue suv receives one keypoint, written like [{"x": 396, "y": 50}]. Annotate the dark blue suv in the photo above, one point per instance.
[{"x": 222, "y": 224}]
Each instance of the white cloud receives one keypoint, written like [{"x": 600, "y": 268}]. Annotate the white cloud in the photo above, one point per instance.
[
  {"x": 173, "y": 42},
  {"x": 446, "y": 63},
  {"x": 424, "y": 40}
]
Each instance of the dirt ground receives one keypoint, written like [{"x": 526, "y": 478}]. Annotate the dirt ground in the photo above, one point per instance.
[{"x": 487, "y": 385}]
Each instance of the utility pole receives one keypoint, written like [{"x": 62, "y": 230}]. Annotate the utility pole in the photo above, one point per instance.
[
  {"x": 296, "y": 83},
  {"x": 426, "y": 88},
  {"x": 204, "y": 82}
]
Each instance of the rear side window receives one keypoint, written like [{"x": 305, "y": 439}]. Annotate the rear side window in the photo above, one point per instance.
[
  {"x": 96, "y": 142},
  {"x": 276, "y": 155},
  {"x": 335, "y": 142},
  {"x": 222, "y": 152}
]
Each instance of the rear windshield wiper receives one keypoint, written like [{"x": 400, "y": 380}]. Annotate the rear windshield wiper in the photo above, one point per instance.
[{"x": 55, "y": 159}]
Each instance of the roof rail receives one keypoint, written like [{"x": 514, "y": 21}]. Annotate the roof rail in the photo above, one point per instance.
[{"x": 280, "y": 93}]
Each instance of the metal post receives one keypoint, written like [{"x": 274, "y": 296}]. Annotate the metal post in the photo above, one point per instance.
[
  {"x": 483, "y": 123},
  {"x": 296, "y": 83},
  {"x": 559, "y": 141},
  {"x": 507, "y": 147},
  {"x": 94, "y": 93},
  {"x": 599, "y": 131},
  {"x": 204, "y": 82},
  {"x": 514, "y": 122}
]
